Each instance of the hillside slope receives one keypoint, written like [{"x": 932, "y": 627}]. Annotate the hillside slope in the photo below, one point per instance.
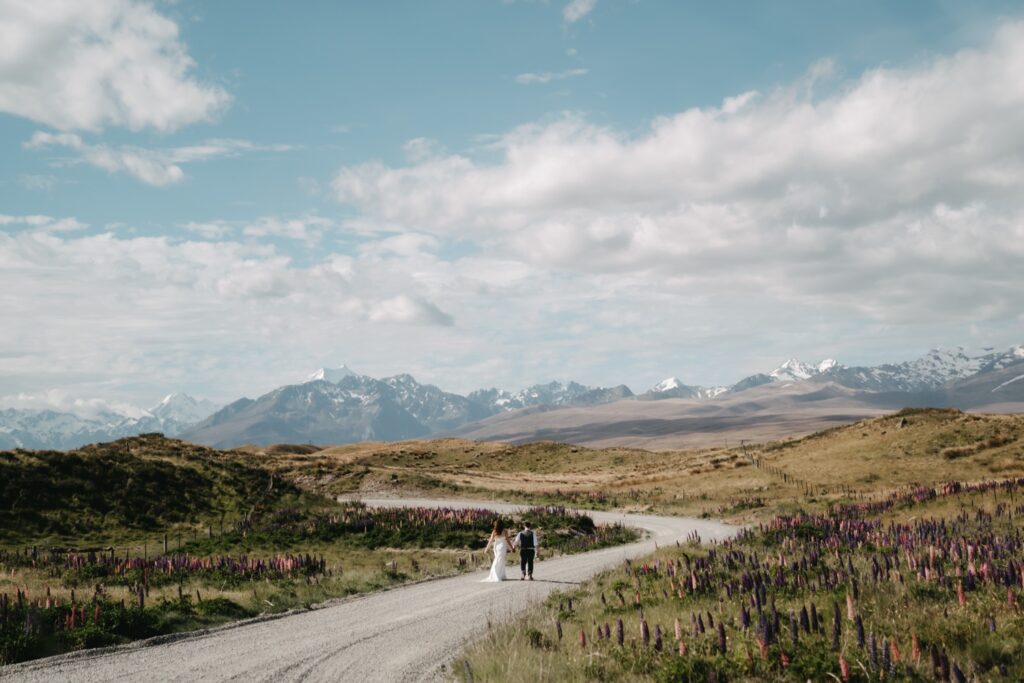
[{"x": 142, "y": 483}]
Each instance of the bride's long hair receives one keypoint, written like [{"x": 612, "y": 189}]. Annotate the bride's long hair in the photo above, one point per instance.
[{"x": 499, "y": 526}]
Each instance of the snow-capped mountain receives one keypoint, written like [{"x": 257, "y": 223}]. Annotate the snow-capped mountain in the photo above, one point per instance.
[
  {"x": 552, "y": 394},
  {"x": 352, "y": 409},
  {"x": 673, "y": 387},
  {"x": 358, "y": 408},
  {"x": 182, "y": 409},
  {"x": 337, "y": 405},
  {"x": 332, "y": 374},
  {"x": 53, "y": 429},
  {"x": 794, "y": 370},
  {"x": 930, "y": 372}
]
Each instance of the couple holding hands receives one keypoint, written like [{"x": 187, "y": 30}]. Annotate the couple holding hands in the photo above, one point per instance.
[{"x": 525, "y": 541}]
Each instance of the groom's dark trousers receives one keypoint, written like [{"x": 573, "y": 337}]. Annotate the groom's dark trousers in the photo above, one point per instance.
[{"x": 526, "y": 560}]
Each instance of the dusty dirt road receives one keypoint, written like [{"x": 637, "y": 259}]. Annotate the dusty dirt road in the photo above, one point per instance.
[{"x": 406, "y": 634}]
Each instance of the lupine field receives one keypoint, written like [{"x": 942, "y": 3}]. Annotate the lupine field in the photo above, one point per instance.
[{"x": 922, "y": 584}]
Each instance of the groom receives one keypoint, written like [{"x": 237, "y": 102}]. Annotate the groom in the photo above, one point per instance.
[{"x": 526, "y": 541}]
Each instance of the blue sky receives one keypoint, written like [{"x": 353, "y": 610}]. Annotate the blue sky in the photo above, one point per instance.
[{"x": 217, "y": 197}]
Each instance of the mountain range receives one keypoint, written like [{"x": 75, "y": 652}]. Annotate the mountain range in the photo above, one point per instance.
[
  {"x": 338, "y": 405},
  {"x": 52, "y": 429}
]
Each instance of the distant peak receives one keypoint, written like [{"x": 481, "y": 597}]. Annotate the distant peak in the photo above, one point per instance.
[
  {"x": 176, "y": 397},
  {"x": 668, "y": 384},
  {"x": 332, "y": 374},
  {"x": 827, "y": 364},
  {"x": 794, "y": 369}
]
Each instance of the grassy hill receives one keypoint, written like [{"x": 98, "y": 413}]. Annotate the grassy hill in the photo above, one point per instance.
[
  {"x": 861, "y": 459},
  {"x": 142, "y": 484}
]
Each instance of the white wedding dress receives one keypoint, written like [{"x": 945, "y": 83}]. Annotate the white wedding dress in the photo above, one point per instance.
[{"x": 498, "y": 565}]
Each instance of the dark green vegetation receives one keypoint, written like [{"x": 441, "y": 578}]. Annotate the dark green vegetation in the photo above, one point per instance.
[
  {"x": 358, "y": 526},
  {"x": 918, "y": 585},
  {"x": 141, "y": 484}
]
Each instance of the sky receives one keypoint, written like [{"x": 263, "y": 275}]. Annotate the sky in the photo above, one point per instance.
[{"x": 220, "y": 197}]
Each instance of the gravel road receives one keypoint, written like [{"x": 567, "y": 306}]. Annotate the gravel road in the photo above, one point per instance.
[{"x": 412, "y": 633}]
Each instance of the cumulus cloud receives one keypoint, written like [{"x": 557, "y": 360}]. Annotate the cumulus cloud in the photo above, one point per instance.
[
  {"x": 106, "y": 310},
  {"x": 577, "y": 9},
  {"x": 886, "y": 196},
  {"x": 549, "y": 76},
  {"x": 157, "y": 167},
  {"x": 88, "y": 65},
  {"x": 408, "y": 310}
]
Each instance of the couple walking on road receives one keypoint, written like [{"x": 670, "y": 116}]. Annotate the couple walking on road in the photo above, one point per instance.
[{"x": 525, "y": 541}]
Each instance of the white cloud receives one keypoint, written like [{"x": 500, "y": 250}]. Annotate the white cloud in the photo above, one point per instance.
[
  {"x": 60, "y": 401},
  {"x": 87, "y": 65},
  {"x": 42, "y": 223},
  {"x": 211, "y": 230},
  {"x": 421, "y": 149},
  {"x": 157, "y": 167},
  {"x": 549, "y": 76},
  {"x": 577, "y": 9},
  {"x": 886, "y": 198},
  {"x": 306, "y": 228},
  {"x": 97, "y": 312},
  {"x": 408, "y": 310}
]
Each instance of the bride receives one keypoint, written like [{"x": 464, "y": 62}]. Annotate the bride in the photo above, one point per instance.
[{"x": 499, "y": 541}]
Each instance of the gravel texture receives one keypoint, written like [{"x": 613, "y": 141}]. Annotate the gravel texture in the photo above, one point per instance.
[{"x": 413, "y": 633}]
